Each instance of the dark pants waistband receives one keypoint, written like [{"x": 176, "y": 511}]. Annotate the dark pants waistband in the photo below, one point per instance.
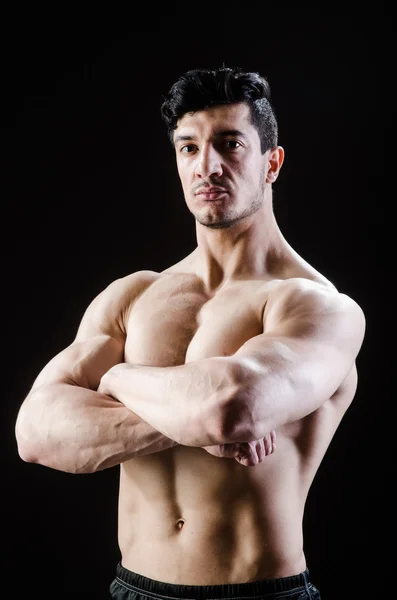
[{"x": 166, "y": 591}]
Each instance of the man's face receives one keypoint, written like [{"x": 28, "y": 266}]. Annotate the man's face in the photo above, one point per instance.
[{"x": 220, "y": 164}]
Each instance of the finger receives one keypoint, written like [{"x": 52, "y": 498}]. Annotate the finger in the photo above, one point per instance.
[
  {"x": 243, "y": 449},
  {"x": 273, "y": 438},
  {"x": 260, "y": 450},
  {"x": 267, "y": 442},
  {"x": 229, "y": 450},
  {"x": 245, "y": 461},
  {"x": 245, "y": 455},
  {"x": 238, "y": 449},
  {"x": 252, "y": 453}
]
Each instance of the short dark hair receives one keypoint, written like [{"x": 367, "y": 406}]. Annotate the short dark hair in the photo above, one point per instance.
[{"x": 198, "y": 89}]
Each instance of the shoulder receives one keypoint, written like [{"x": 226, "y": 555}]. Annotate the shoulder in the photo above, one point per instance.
[
  {"x": 130, "y": 285},
  {"x": 308, "y": 293},
  {"x": 109, "y": 309},
  {"x": 124, "y": 290},
  {"x": 317, "y": 304}
]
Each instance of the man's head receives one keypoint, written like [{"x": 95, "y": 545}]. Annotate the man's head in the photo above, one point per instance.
[
  {"x": 224, "y": 131},
  {"x": 200, "y": 89}
]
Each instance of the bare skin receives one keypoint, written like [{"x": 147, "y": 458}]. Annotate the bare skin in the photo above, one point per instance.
[{"x": 217, "y": 384}]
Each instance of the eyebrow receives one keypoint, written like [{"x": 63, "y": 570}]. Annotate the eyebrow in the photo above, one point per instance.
[{"x": 223, "y": 133}]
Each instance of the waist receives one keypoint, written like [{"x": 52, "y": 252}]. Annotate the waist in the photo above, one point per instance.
[
  {"x": 166, "y": 590},
  {"x": 220, "y": 554}
]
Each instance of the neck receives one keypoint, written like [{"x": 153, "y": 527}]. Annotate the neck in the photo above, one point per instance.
[{"x": 247, "y": 249}]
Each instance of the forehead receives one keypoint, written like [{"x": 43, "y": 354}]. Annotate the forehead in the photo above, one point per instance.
[{"x": 229, "y": 117}]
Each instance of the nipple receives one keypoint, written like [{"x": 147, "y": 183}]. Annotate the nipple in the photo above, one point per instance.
[{"x": 180, "y": 523}]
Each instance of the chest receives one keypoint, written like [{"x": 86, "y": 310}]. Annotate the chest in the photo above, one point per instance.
[{"x": 171, "y": 325}]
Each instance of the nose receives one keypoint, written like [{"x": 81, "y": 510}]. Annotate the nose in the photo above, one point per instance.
[{"x": 208, "y": 163}]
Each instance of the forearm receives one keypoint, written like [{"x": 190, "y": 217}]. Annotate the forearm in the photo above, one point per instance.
[
  {"x": 188, "y": 403},
  {"x": 77, "y": 430}
]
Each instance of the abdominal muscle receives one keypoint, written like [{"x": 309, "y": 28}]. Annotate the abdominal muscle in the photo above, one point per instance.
[{"x": 187, "y": 517}]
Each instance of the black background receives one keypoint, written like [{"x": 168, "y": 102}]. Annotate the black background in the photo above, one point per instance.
[{"x": 91, "y": 194}]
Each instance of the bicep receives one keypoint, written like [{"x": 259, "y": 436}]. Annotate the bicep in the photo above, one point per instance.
[
  {"x": 82, "y": 363},
  {"x": 100, "y": 337},
  {"x": 309, "y": 325},
  {"x": 309, "y": 345},
  {"x": 98, "y": 345}
]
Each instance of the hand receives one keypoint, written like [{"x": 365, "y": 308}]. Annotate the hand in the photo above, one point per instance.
[
  {"x": 108, "y": 379},
  {"x": 247, "y": 454},
  {"x": 103, "y": 388}
]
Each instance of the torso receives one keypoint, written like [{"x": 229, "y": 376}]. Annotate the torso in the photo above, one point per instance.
[{"x": 188, "y": 517}]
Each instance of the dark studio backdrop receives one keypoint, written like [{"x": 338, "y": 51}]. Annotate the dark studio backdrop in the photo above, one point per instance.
[{"x": 91, "y": 194}]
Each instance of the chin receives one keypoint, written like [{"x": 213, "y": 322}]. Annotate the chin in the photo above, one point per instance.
[{"x": 216, "y": 223}]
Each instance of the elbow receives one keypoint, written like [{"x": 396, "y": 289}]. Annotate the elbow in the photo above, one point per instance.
[
  {"x": 29, "y": 446},
  {"x": 26, "y": 447},
  {"x": 32, "y": 447},
  {"x": 52, "y": 458},
  {"x": 28, "y": 428},
  {"x": 25, "y": 453},
  {"x": 36, "y": 445}
]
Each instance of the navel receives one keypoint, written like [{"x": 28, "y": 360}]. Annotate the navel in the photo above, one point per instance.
[{"x": 180, "y": 523}]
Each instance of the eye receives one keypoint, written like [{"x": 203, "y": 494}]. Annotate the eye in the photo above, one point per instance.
[
  {"x": 232, "y": 144},
  {"x": 187, "y": 149}
]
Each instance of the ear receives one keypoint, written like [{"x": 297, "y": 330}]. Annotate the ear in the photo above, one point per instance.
[{"x": 275, "y": 161}]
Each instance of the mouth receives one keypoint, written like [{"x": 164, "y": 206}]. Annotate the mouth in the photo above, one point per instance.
[{"x": 211, "y": 193}]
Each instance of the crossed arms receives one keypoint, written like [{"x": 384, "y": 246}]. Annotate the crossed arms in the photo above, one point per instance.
[
  {"x": 313, "y": 337},
  {"x": 89, "y": 410}
]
